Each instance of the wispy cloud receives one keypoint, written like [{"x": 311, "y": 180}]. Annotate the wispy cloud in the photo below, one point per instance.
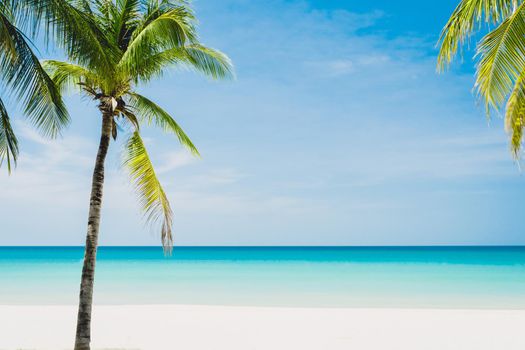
[{"x": 348, "y": 65}]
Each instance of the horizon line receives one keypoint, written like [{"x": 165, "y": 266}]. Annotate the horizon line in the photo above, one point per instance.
[{"x": 277, "y": 246}]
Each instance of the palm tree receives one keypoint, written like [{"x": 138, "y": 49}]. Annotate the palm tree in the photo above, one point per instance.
[
  {"x": 27, "y": 81},
  {"x": 500, "y": 74},
  {"x": 135, "y": 42}
]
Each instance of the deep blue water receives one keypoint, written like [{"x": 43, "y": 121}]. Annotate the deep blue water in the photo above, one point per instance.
[{"x": 440, "y": 277}]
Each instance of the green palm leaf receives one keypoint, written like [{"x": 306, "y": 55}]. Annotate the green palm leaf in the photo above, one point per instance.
[
  {"x": 466, "y": 18},
  {"x": 67, "y": 76},
  {"x": 153, "y": 114},
  {"x": 153, "y": 199},
  {"x": 7, "y": 45},
  {"x": 22, "y": 71},
  {"x": 170, "y": 29},
  {"x": 204, "y": 59},
  {"x": 8, "y": 140},
  {"x": 502, "y": 53},
  {"x": 500, "y": 74},
  {"x": 70, "y": 27},
  {"x": 208, "y": 61},
  {"x": 125, "y": 19},
  {"x": 515, "y": 115}
]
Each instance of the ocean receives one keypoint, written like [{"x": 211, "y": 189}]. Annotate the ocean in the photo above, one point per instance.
[{"x": 397, "y": 277}]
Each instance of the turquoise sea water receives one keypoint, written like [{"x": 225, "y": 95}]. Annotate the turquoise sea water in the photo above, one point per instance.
[{"x": 436, "y": 277}]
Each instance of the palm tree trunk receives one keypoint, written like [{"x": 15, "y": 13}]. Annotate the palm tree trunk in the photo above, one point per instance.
[{"x": 83, "y": 335}]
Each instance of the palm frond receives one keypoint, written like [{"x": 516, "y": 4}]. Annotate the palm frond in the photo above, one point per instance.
[
  {"x": 153, "y": 199},
  {"x": 170, "y": 29},
  {"x": 83, "y": 5},
  {"x": 101, "y": 12},
  {"x": 515, "y": 115},
  {"x": 23, "y": 72},
  {"x": 73, "y": 29},
  {"x": 502, "y": 59},
  {"x": 467, "y": 18},
  {"x": 208, "y": 61},
  {"x": 151, "y": 10},
  {"x": 8, "y": 140},
  {"x": 125, "y": 19},
  {"x": 7, "y": 45},
  {"x": 67, "y": 75},
  {"x": 154, "y": 114}
]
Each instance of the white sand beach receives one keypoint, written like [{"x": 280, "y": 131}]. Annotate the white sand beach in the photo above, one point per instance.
[{"x": 242, "y": 328}]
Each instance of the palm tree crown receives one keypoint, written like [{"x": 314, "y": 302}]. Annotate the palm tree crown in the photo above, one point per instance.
[
  {"x": 137, "y": 41},
  {"x": 500, "y": 74}
]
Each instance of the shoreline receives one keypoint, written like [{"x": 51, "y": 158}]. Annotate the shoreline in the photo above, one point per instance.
[{"x": 200, "y": 327}]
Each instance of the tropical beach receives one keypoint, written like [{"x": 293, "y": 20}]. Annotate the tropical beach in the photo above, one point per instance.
[
  {"x": 284, "y": 174},
  {"x": 261, "y": 298}
]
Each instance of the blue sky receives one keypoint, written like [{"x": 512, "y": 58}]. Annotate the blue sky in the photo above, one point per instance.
[{"x": 337, "y": 131}]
